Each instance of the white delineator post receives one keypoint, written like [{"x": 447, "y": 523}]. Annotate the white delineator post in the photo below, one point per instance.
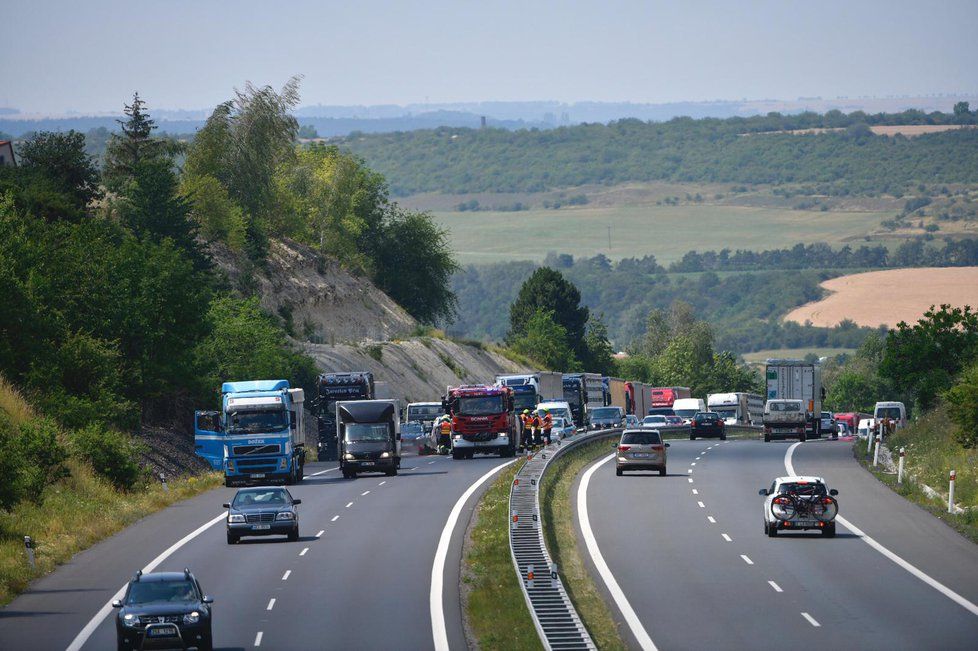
[
  {"x": 900, "y": 467},
  {"x": 876, "y": 452},
  {"x": 950, "y": 494},
  {"x": 29, "y": 546}
]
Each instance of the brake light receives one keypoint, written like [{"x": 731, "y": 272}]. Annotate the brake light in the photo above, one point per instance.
[
  {"x": 658, "y": 448},
  {"x": 624, "y": 448}
]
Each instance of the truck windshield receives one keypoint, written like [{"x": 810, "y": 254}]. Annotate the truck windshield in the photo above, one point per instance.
[
  {"x": 888, "y": 412},
  {"x": 572, "y": 394},
  {"x": 367, "y": 432},
  {"x": 424, "y": 412},
  {"x": 525, "y": 401},
  {"x": 607, "y": 412},
  {"x": 480, "y": 405},
  {"x": 257, "y": 422},
  {"x": 725, "y": 412},
  {"x": 785, "y": 406}
]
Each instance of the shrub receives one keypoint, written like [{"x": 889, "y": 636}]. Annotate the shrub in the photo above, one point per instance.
[
  {"x": 31, "y": 457},
  {"x": 962, "y": 407},
  {"x": 111, "y": 453}
]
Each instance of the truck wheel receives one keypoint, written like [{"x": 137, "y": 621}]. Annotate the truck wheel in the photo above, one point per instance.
[
  {"x": 457, "y": 454},
  {"x": 228, "y": 483}
]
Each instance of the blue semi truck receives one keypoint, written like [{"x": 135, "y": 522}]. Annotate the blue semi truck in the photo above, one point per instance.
[{"x": 257, "y": 436}]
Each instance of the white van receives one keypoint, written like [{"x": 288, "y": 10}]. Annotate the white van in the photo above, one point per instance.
[
  {"x": 686, "y": 408},
  {"x": 893, "y": 410},
  {"x": 557, "y": 408},
  {"x": 866, "y": 426}
]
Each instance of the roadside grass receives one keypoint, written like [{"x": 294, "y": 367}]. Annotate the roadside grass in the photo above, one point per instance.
[
  {"x": 74, "y": 514},
  {"x": 557, "y": 511},
  {"x": 931, "y": 452},
  {"x": 495, "y": 610}
]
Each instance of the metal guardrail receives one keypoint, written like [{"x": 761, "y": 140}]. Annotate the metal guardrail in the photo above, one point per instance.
[{"x": 555, "y": 618}]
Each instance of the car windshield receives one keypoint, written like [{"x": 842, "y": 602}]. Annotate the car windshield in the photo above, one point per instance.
[
  {"x": 148, "y": 592},
  {"x": 803, "y": 489},
  {"x": 261, "y": 497},
  {"x": 559, "y": 422},
  {"x": 367, "y": 432},
  {"x": 606, "y": 412},
  {"x": 480, "y": 405},
  {"x": 706, "y": 415},
  {"x": 424, "y": 412},
  {"x": 785, "y": 406},
  {"x": 641, "y": 438},
  {"x": 673, "y": 420},
  {"x": 827, "y": 415},
  {"x": 257, "y": 422},
  {"x": 411, "y": 429},
  {"x": 654, "y": 420}
]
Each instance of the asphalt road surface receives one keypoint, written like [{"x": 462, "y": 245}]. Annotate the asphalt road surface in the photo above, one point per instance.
[
  {"x": 360, "y": 576},
  {"x": 688, "y": 558}
]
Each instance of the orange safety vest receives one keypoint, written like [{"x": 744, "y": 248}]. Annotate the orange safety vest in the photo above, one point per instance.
[
  {"x": 548, "y": 422},
  {"x": 446, "y": 428}
]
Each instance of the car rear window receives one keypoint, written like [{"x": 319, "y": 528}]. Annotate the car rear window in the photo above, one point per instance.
[
  {"x": 641, "y": 438},
  {"x": 806, "y": 489}
]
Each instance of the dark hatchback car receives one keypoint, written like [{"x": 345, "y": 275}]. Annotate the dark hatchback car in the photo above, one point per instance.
[
  {"x": 164, "y": 610},
  {"x": 263, "y": 511},
  {"x": 707, "y": 423}
]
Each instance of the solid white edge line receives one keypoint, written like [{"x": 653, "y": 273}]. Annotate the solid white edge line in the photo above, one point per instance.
[
  {"x": 435, "y": 597},
  {"x": 316, "y": 474},
  {"x": 912, "y": 569},
  {"x": 774, "y": 585},
  {"x": 811, "y": 620},
  {"x": 638, "y": 630},
  {"x": 103, "y": 612}
]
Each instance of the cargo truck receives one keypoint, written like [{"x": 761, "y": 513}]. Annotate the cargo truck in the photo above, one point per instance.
[
  {"x": 583, "y": 391},
  {"x": 745, "y": 409},
  {"x": 368, "y": 433},
  {"x": 795, "y": 379},
  {"x": 531, "y": 389},
  {"x": 332, "y": 387},
  {"x": 257, "y": 436},
  {"x": 615, "y": 395},
  {"x": 483, "y": 420},
  {"x": 637, "y": 396},
  {"x": 424, "y": 413},
  {"x": 665, "y": 397}
]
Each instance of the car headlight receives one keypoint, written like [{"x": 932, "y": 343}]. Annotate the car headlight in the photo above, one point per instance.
[
  {"x": 130, "y": 620},
  {"x": 191, "y": 618},
  {"x": 384, "y": 455},
  {"x": 349, "y": 455},
  {"x": 285, "y": 515},
  {"x": 236, "y": 519}
]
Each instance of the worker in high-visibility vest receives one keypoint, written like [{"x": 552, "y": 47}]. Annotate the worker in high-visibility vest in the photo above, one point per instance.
[
  {"x": 445, "y": 435},
  {"x": 547, "y": 425},
  {"x": 525, "y": 429},
  {"x": 535, "y": 428}
]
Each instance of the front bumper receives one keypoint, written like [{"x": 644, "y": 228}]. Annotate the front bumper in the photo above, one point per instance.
[
  {"x": 276, "y": 528},
  {"x": 499, "y": 441},
  {"x": 368, "y": 465},
  {"x": 188, "y": 636},
  {"x": 260, "y": 477}
]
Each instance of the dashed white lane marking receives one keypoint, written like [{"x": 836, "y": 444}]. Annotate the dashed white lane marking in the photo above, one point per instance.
[
  {"x": 436, "y": 597},
  {"x": 690, "y": 480},
  {"x": 695, "y": 492},
  {"x": 382, "y": 483},
  {"x": 258, "y": 638},
  {"x": 285, "y": 577},
  {"x": 430, "y": 462},
  {"x": 634, "y": 623},
  {"x": 747, "y": 559},
  {"x": 693, "y": 464},
  {"x": 349, "y": 504},
  {"x": 364, "y": 493},
  {"x": 271, "y": 604},
  {"x": 774, "y": 585},
  {"x": 335, "y": 518},
  {"x": 926, "y": 578},
  {"x": 320, "y": 534},
  {"x": 711, "y": 519},
  {"x": 701, "y": 505},
  {"x": 811, "y": 620},
  {"x": 698, "y": 458},
  {"x": 726, "y": 537},
  {"x": 316, "y": 474},
  {"x": 690, "y": 470},
  {"x": 303, "y": 552}
]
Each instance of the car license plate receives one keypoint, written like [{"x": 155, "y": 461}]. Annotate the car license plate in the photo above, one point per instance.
[
  {"x": 261, "y": 527},
  {"x": 784, "y": 430},
  {"x": 163, "y": 631},
  {"x": 366, "y": 463},
  {"x": 641, "y": 455},
  {"x": 258, "y": 475}
]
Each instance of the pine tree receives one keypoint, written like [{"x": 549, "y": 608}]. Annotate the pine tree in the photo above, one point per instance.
[{"x": 136, "y": 144}]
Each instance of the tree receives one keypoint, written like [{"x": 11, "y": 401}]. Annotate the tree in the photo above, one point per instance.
[
  {"x": 657, "y": 333},
  {"x": 548, "y": 290},
  {"x": 962, "y": 113},
  {"x": 600, "y": 355},
  {"x": 61, "y": 158},
  {"x": 962, "y": 407},
  {"x": 546, "y": 342},
  {"x": 307, "y": 131},
  {"x": 851, "y": 391},
  {"x": 220, "y": 219},
  {"x": 126, "y": 152}
]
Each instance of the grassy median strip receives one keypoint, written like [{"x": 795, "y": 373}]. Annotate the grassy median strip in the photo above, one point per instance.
[
  {"x": 496, "y": 613},
  {"x": 74, "y": 514},
  {"x": 557, "y": 506}
]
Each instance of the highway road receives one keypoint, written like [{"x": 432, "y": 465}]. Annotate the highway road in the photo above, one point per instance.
[
  {"x": 685, "y": 564},
  {"x": 360, "y": 577}
]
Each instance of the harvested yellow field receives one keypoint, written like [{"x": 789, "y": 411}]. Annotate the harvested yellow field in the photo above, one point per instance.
[{"x": 888, "y": 297}]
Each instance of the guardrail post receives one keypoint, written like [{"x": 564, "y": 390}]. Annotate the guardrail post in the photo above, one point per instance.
[
  {"x": 950, "y": 494},
  {"x": 166, "y": 487},
  {"x": 29, "y": 547},
  {"x": 900, "y": 466},
  {"x": 876, "y": 451}
]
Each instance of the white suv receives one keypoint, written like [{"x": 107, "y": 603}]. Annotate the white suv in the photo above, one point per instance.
[{"x": 799, "y": 503}]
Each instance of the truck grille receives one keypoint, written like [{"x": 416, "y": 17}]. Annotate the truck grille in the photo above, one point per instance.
[
  {"x": 479, "y": 436},
  {"x": 256, "y": 449},
  {"x": 252, "y": 518},
  {"x": 257, "y": 463}
]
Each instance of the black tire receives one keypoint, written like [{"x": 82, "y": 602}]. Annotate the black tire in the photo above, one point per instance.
[
  {"x": 227, "y": 483},
  {"x": 294, "y": 535},
  {"x": 391, "y": 473},
  {"x": 829, "y": 531},
  {"x": 662, "y": 472},
  {"x": 619, "y": 471},
  {"x": 803, "y": 437},
  {"x": 772, "y": 530},
  {"x": 692, "y": 437},
  {"x": 470, "y": 454},
  {"x": 457, "y": 454},
  {"x": 767, "y": 437},
  {"x": 232, "y": 539},
  {"x": 723, "y": 437}
]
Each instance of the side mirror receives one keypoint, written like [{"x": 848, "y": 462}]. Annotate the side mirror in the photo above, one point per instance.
[
  {"x": 207, "y": 599},
  {"x": 226, "y": 505},
  {"x": 117, "y": 603},
  {"x": 763, "y": 491},
  {"x": 297, "y": 501},
  {"x": 833, "y": 492}
]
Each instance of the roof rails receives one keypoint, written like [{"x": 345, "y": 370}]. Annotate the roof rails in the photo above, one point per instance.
[
  {"x": 186, "y": 572},
  {"x": 139, "y": 573}
]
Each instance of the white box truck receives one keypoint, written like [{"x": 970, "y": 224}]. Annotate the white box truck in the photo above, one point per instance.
[
  {"x": 744, "y": 409},
  {"x": 795, "y": 379}
]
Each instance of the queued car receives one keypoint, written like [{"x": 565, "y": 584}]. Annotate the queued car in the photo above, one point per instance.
[
  {"x": 707, "y": 424},
  {"x": 828, "y": 424},
  {"x": 799, "y": 503},
  {"x": 674, "y": 421},
  {"x": 641, "y": 449},
  {"x": 562, "y": 428},
  {"x": 416, "y": 438},
  {"x": 654, "y": 421},
  {"x": 606, "y": 417},
  {"x": 632, "y": 421},
  {"x": 163, "y": 610},
  {"x": 262, "y": 511}
]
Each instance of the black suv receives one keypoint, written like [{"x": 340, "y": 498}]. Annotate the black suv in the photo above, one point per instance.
[
  {"x": 164, "y": 610},
  {"x": 707, "y": 423}
]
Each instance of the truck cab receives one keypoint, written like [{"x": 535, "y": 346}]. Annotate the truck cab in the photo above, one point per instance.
[
  {"x": 785, "y": 418},
  {"x": 424, "y": 413},
  {"x": 331, "y": 388},
  {"x": 483, "y": 421},
  {"x": 369, "y": 436}
]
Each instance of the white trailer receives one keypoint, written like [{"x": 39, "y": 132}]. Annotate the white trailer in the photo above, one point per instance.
[
  {"x": 737, "y": 408},
  {"x": 795, "y": 379}
]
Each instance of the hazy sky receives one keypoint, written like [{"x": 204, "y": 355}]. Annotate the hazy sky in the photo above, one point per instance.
[{"x": 89, "y": 55}]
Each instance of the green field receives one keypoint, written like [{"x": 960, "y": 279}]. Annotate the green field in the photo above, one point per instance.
[
  {"x": 637, "y": 230},
  {"x": 793, "y": 353}
]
